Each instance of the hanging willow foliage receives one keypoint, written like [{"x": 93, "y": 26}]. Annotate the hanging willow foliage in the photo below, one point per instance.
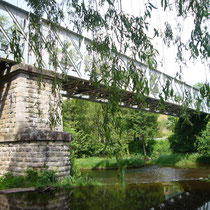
[{"x": 115, "y": 33}]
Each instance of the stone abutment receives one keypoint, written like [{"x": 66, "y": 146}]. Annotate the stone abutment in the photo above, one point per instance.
[{"x": 27, "y": 138}]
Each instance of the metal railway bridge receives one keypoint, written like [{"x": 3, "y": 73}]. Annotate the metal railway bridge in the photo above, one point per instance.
[{"x": 78, "y": 84}]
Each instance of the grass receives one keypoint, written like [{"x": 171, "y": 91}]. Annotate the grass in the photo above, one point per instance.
[
  {"x": 181, "y": 160},
  {"x": 81, "y": 181},
  {"x": 163, "y": 156},
  {"x": 108, "y": 163}
]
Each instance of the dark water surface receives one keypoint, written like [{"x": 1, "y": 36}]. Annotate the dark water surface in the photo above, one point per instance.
[{"x": 146, "y": 188}]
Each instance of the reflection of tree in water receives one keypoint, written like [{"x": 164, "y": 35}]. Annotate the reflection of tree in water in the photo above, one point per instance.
[
  {"x": 196, "y": 195},
  {"x": 135, "y": 196}
]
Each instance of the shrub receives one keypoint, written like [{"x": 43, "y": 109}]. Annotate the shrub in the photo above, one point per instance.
[
  {"x": 40, "y": 179},
  {"x": 10, "y": 181},
  {"x": 203, "y": 141},
  {"x": 185, "y": 133}
]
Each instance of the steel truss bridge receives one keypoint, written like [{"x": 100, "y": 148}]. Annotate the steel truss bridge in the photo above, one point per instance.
[{"x": 78, "y": 84}]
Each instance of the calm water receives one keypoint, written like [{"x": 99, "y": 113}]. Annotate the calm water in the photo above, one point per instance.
[{"x": 146, "y": 188}]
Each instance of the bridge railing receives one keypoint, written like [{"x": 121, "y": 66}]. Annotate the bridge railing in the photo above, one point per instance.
[{"x": 72, "y": 56}]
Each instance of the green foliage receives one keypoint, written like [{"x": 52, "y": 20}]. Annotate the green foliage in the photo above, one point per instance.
[
  {"x": 74, "y": 172},
  {"x": 141, "y": 127},
  {"x": 45, "y": 178},
  {"x": 40, "y": 179},
  {"x": 9, "y": 181},
  {"x": 32, "y": 178},
  {"x": 87, "y": 122},
  {"x": 136, "y": 147},
  {"x": 161, "y": 147},
  {"x": 184, "y": 138},
  {"x": 203, "y": 141},
  {"x": 171, "y": 122},
  {"x": 79, "y": 181},
  {"x": 82, "y": 120}
]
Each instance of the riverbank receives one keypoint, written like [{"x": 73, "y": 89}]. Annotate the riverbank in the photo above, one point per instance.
[
  {"x": 160, "y": 155},
  {"x": 172, "y": 160},
  {"x": 45, "y": 180}
]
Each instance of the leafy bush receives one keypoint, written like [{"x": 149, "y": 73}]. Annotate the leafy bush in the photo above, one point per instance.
[
  {"x": 185, "y": 133},
  {"x": 10, "y": 181},
  {"x": 203, "y": 141},
  {"x": 161, "y": 147},
  {"x": 40, "y": 179}
]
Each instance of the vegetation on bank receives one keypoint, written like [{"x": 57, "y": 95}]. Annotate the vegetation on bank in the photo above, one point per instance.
[
  {"x": 161, "y": 155},
  {"x": 134, "y": 147},
  {"x": 108, "y": 163},
  {"x": 86, "y": 122},
  {"x": 45, "y": 179},
  {"x": 171, "y": 160}
]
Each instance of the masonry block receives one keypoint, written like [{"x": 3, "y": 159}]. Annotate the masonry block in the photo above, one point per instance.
[{"x": 27, "y": 138}]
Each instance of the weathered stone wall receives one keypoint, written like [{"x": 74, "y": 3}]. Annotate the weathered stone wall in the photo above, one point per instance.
[
  {"x": 23, "y": 105},
  {"x": 16, "y": 157},
  {"x": 26, "y": 137}
]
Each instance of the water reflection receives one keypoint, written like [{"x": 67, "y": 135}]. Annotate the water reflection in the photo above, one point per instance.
[
  {"x": 146, "y": 188},
  {"x": 172, "y": 195}
]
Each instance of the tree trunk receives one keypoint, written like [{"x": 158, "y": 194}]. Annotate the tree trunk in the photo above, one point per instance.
[{"x": 144, "y": 146}]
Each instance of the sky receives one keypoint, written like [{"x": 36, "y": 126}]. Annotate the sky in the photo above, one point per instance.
[{"x": 194, "y": 72}]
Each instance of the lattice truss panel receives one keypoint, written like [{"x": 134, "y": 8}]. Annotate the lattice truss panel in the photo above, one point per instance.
[{"x": 74, "y": 60}]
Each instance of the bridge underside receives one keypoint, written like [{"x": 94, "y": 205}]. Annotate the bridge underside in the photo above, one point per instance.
[
  {"x": 85, "y": 90},
  {"x": 78, "y": 88}
]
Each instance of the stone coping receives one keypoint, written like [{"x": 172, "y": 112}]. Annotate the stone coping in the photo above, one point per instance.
[
  {"x": 40, "y": 135},
  {"x": 28, "y": 69}
]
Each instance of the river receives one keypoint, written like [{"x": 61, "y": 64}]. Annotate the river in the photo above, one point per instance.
[{"x": 146, "y": 188}]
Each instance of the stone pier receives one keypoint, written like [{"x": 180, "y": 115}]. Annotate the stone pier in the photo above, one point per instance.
[{"x": 27, "y": 138}]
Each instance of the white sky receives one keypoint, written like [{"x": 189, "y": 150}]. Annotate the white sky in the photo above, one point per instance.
[{"x": 194, "y": 72}]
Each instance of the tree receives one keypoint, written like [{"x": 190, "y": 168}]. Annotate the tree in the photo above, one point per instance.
[
  {"x": 203, "y": 141},
  {"x": 184, "y": 139},
  {"x": 114, "y": 33},
  {"x": 141, "y": 127},
  {"x": 82, "y": 120}
]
